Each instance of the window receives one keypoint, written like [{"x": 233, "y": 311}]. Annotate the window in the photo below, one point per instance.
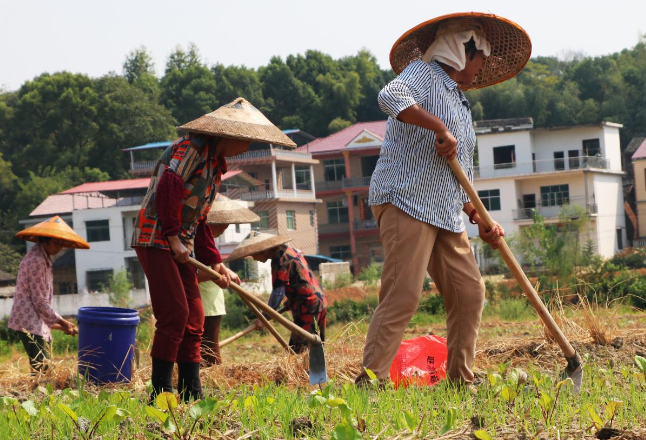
[
  {"x": 529, "y": 201},
  {"x": 237, "y": 228},
  {"x": 337, "y": 213},
  {"x": 135, "y": 273},
  {"x": 267, "y": 185},
  {"x": 263, "y": 223},
  {"x": 573, "y": 159},
  {"x": 591, "y": 147},
  {"x": 555, "y": 195},
  {"x": 559, "y": 161},
  {"x": 368, "y": 165},
  {"x": 311, "y": 217},
  {"x": 303, "y": 180},
  {"x": 253, "y": 174},
  {"x": 98, "y": 230},
  {"x": 98, "y": 280},
  {"x": 490, "y": 199},
  {"x": 620, "y": 239},
  {"x": 291, "y": 219},
  {"x": 504, "y": 157},
  {"x": 334, "y": 169},
  {"x": 341, "y": 252}
]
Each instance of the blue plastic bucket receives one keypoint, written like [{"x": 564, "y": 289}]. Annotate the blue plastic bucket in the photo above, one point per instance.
[{"x": 107, "y": 343}]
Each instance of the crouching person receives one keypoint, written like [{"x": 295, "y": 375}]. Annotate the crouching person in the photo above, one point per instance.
[{"x": 291, "y": 278}]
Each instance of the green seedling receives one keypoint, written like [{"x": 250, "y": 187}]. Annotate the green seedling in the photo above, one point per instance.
[
  {"x": 611, "y": 411},
  {"x": 451, "y": 420},
  {"x": 86, "y": 429}
]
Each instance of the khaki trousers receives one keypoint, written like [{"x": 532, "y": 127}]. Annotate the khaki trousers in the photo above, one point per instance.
[{"x": 412, "y": 248}]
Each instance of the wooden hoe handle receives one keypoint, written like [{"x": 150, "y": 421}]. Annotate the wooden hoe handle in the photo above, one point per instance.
[{"x": 513, "y": 265}]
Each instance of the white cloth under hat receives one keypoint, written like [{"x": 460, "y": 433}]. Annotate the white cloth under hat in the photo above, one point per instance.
[{"x": 449, "y": 48}]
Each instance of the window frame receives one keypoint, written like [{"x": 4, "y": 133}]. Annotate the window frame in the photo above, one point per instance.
[
  {"x": 334, "y": 168},
  {"x": 103, "y": 231},
  {"x": 337, "y": 208},
  {"x": 293, "y": 219},
  {"x": 490, "y": 200},
  {"x": 558, "y": 195}
]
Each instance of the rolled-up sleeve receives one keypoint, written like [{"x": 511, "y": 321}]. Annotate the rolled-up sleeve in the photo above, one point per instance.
[
  {"x": 39, "y": 293},
  {"x": 406, "y": 90}
]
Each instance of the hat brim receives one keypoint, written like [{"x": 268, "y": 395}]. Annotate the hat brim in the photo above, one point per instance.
[
  {"x": 239, "y": 120},
  {"x": 511, "y": 47},
  {"x": 68, "y": 240},
  {"x": 243, "y": 250}
]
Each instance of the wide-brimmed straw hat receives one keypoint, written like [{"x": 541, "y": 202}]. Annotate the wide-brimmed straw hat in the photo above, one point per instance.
[
  {"x": 56, "y": 228},
  {"x": 239, "y": 120},
  {"x": 510, "y": 45},
  {"x": 257, "y": 242},
  {"x": 226, "y": 211}
]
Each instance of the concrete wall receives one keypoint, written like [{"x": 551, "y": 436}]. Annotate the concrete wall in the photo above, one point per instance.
[
  {"x": 68, "y": 305},
  {"x": 330, "y": 271},
  {"x": 610, "y": 202},
  {"x": 487, "y": 142}
]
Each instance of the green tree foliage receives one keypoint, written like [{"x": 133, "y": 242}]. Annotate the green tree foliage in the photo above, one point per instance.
[
  {"x": 126, "y": 116},
  {"x": 188, "y": 87},
  {"x": 557, "y": 248}
]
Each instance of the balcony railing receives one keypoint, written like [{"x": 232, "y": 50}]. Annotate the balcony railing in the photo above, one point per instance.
[
  {"x": 267, "y": 153},
  {"x": 552, "y": 211},
  {"x": 344, "y": 183},
  {"x": 365, "y": 225},
  {"x": 333, "y": 228},
  {"x": 540, "y": 166},
  {"x": 356, "y": 182},
  {"x": 269, "y": 194},
  {"x": 143, "y": 167}
]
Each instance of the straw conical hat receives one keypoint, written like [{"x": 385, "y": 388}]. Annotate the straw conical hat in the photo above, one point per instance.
[
  {"x": 55, "y": 227},
  {"x": 226, "y": 211},
  {"x": 239, "y": 120},
  {"x": 257, "y": 242},
  {"x": 510, "y": 45}
]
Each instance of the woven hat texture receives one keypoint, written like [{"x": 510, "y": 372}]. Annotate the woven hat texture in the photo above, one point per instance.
[
  {"x": 510, "y": 44},
  {"x": 229, "y": 212},
  {"x": 257, "y": 242},
  {"x": 55, "y": 227},
  {"x": 239, "y": 120}
]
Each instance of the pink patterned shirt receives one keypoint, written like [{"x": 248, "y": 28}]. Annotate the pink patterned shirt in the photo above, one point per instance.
[{"x": 32, "y": 303}]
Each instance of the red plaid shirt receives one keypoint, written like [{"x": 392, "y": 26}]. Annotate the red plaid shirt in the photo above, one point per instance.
[
  {"x": 290, "y": 270},
  {"x": 194, "y": 161}
]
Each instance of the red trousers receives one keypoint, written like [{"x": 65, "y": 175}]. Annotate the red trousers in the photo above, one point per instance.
[{"x": 177, "y": 306}]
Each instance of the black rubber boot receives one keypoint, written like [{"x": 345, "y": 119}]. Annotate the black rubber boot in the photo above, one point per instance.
[
  {"x": 189, "y": 384},
  {"x": 161, "y": 378}
]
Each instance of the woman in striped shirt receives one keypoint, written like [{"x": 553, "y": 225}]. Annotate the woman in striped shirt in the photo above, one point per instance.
[{"x": 416, "y": 199}]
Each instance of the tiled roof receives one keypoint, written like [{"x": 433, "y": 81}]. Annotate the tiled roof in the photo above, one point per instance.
[
  {"x": 66, "y": 203},
  {"x": 641, "y": 151},
  {"x": 340, "y": 139},
  {"x": 110, "y": 185},
  {"x": 635, "y": 143}
]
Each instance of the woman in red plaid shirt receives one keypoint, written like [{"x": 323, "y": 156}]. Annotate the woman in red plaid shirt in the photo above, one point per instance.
[{"x": 171, "y": 226}]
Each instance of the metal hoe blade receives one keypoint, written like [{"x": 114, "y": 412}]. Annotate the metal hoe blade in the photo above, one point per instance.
[
  {"x": 574, "y": 371},
  {"x": 318, "y": 372}
]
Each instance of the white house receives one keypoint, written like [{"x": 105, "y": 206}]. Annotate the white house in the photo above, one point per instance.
[{"x": 521, "y": 168}]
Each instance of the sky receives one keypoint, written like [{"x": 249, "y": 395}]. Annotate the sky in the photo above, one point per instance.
[{"x": 95, "y": 36}]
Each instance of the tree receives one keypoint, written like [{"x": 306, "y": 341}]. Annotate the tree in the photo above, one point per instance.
[
  {"x": 126, "y": 117},
  {"x": 138, "y": 64},
  {"x": 233, "y": 82},
  {"x": 188, "y": 87},
  {"x": 53, "y": 123},
  {"x": 554, "y": 247}
]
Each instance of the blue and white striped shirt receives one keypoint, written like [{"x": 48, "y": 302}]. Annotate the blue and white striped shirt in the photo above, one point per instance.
[{"x": 410, "y": 174}]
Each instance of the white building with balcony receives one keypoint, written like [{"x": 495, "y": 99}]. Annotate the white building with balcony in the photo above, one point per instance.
[{"x": 522, "y": 169}]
